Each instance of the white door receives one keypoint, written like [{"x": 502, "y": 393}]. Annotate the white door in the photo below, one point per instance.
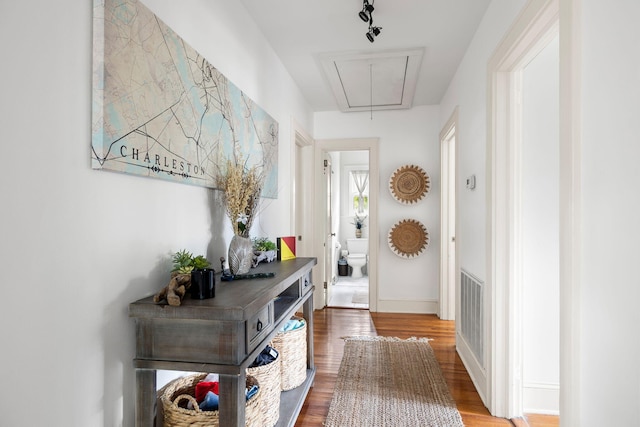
[
  {"x": 329, "y": 241},
  {"x": 448, "y": 271}
]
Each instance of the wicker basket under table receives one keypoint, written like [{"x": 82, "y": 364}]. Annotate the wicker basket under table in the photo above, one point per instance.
[
  {"x": 268, "y": 377},
  {"x": 175, "y": 395},
  {"x": 292, "y": 346}
]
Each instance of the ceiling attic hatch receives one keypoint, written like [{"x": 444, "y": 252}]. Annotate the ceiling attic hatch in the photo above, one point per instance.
[{"x": 384, "y": 80}]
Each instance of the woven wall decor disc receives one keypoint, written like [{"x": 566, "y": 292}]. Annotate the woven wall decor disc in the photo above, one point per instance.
[
  {"x": 409, "y": 184},
  {"x": 408, "y": 238}
]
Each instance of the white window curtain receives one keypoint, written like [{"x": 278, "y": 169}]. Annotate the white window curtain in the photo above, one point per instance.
[{"x": 361, "y": 178}]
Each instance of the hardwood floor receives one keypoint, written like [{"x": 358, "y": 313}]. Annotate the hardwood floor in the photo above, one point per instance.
[{"x": 331, "y": 324}]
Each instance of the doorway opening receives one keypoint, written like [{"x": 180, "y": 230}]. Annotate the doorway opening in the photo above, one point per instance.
[
  {"x": 525, "y": 259},
  {"x": 448, "y": 258},
  {"x": 507, "y": 225},
  {"x": 349, "y": 210},
  {"x": 352, "y": 177},
  {"x": 540, "y": 230}
]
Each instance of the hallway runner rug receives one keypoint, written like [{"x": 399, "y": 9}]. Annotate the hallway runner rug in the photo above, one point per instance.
[{"x": 390, "y": 382}]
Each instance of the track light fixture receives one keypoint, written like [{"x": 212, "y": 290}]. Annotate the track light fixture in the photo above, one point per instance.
[
  {"x": 367, "y": 10},
  {"x": 373, "y": 32},
  {"x": 370, "y": 36},
  {"x": 366, "y": 14}
]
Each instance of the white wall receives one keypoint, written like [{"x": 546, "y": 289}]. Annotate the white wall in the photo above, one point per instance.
[
  {"x": 610, "y": 372},
  {"x": 540, "y": 233},
  {"x": 406, "y": 137},
  {"x": 609, "y": 384},
  {"x": 78, "y": 245},
  {"x": 468, "y": 91}
]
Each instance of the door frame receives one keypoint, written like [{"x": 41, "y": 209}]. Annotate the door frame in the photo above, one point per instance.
[
  {"x": 301, "y": 199},
  {"x": 530, "y": 31},
  {"x": 448, "y": 283},
  {"x": 349, "y": 144}
]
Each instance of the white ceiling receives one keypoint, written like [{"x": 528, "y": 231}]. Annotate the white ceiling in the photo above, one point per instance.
[{"x": 323, "y": 45}]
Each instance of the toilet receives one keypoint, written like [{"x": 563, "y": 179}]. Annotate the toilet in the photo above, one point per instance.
[{"x": 357, "y": 257}]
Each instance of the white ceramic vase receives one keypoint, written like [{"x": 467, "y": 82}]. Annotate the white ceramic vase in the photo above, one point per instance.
[{"x": 240, "y": 254}]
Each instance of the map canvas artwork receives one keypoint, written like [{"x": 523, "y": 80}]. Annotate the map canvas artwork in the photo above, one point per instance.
[{"x": 162, "y": 110}]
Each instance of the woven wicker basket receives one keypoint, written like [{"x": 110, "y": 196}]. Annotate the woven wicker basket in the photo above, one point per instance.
[
  {"x": 175, "y": 395},
  {"x": 292, "y": 346},
  {"x": 268, "y": 377}
]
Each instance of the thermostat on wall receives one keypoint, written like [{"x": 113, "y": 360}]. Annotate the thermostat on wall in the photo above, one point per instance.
[{"x": 471, "y": 182}]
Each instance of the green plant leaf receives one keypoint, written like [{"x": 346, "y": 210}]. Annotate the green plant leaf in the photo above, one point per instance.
[
  {"x": 182, "y": 259},
  {"x": 200, "y": 262},
  {"x": 263, "y": 244}
]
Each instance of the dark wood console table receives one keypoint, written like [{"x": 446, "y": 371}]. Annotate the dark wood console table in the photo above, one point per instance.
[{"x": 223, "y": 335}]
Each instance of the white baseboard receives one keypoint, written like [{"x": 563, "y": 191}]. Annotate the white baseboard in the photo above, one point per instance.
[
  {"x": 541, "y": 398},
  {"x": 408, "y": 306},
  {"x": 476, "y": 371}
]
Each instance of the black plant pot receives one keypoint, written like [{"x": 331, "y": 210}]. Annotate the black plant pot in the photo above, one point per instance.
[{"x": 203, "y": 283}]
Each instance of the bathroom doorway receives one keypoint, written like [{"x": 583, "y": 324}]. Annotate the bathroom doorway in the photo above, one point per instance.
[
  {"x": 350, "y": 205},
  {"x": 336, "y": 286},
  {"x": 350, "y": 213}
]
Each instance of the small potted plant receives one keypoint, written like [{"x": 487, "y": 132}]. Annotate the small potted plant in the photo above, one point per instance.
[
  {"x": 263, "y": 250},
  {"x": 188, "y": 273},
  {"x": 182, "y": 262},
  {"x": 202, "y": 277}
]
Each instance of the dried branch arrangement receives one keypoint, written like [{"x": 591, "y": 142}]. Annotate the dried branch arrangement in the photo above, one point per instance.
[{"x": 241, "y": 186}]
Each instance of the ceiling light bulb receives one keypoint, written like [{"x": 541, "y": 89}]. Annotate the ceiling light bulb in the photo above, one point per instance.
[
  {"x": 370, "y": 36},
  {"x": 363, "y": 15}
]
